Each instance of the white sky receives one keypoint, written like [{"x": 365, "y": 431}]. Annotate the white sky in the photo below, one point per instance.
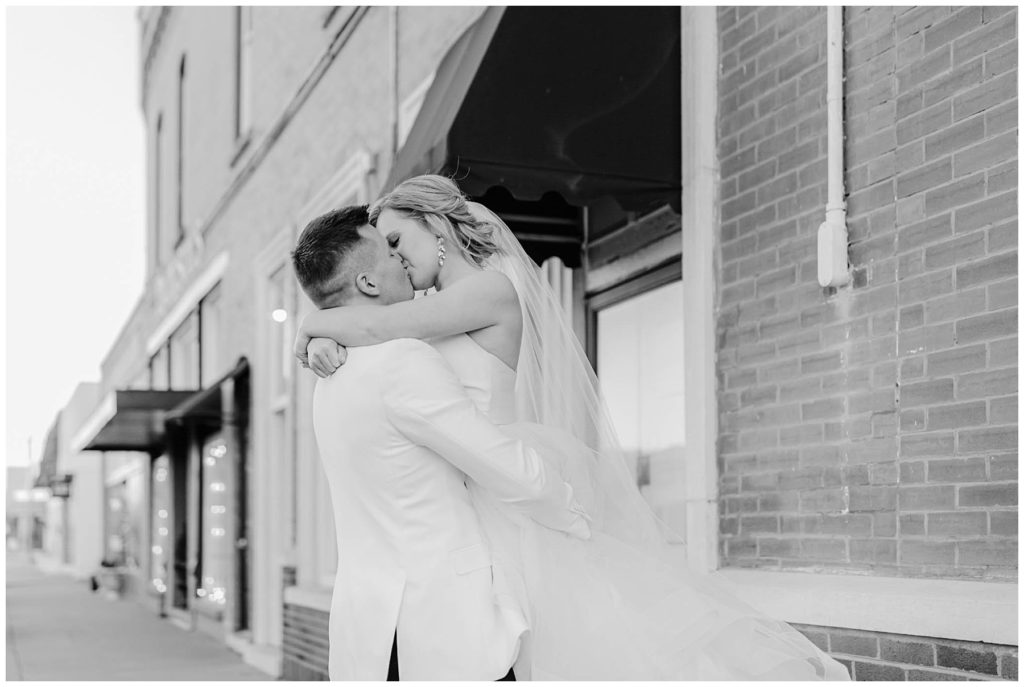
[{"x": 75, "y": 212}]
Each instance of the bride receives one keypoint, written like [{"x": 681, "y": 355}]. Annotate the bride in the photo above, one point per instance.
[{"x": 619, "y": 606}]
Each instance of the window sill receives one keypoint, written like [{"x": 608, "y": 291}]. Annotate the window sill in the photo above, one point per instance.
[
  {"x": 948, "y": 609},
  {"x": 309, "y": 597}
]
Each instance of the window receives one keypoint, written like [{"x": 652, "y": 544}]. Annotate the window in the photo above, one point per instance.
[
  {"x": 181, "y": 152},
  {"x": 215, "y": 550},
  {"x": 209, "y": 338},
  {"x": 243, "y": 67},
  {"x": 162, "y": 548},
  {"x": 160, "y": 369},
  {"x": 157, "y": 190},
  {"x": 184, "y": 352},
  {"x": 639, "y": 341}
]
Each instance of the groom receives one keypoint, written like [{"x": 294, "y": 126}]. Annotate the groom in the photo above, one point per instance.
[{"x": 398, "y": 437}]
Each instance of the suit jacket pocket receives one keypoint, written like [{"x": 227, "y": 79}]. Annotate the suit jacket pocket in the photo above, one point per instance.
[{"x": 470, "y": 558}]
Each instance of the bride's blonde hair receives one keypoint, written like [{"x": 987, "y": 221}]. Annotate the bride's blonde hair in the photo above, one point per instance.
[{"x": 440, "y": 205}]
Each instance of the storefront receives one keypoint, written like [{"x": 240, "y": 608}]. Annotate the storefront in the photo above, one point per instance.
[{"x": 176, "y": 510}]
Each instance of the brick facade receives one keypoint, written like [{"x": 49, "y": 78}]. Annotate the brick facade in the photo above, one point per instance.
[
  {"x": 870, "y": 428},
  {"x": 873, "y": 656}
]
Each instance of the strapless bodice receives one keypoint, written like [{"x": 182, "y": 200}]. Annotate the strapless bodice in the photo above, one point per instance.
[{"x": 489, "y": 382}]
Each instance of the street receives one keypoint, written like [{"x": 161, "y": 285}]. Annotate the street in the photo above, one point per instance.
[{"x": 57, "y": 629}]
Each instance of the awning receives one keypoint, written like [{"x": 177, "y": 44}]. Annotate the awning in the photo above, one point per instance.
[
  {"x": 130, "y": 420},
  {"x": 205, "y": 407},
  {"x": 425, "y": 150},
  {"x": 583, "y": 102},
  {"x": 48, "y": 462}
]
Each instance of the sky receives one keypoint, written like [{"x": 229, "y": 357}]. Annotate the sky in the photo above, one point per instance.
[{"x": 75, "y": 205}]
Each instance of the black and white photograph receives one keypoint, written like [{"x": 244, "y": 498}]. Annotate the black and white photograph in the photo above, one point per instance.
[{"x": 511, "y": 343}]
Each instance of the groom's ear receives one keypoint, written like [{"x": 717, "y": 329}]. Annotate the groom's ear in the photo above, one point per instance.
[{"x": 367, "y": 284}]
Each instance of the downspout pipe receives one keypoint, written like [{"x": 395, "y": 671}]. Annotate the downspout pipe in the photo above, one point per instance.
[{"x": 833, "y": 238}]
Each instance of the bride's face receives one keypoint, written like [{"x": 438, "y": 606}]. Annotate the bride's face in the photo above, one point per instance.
[{"x": 414, "y": 244}]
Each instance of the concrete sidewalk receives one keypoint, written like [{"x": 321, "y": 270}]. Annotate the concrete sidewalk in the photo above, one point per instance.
[{"x": 57, "y": 629}]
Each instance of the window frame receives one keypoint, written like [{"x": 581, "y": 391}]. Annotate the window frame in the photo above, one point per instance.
[
  {"x": 242, "y": 114},
  {"x": 181, "y": 155},
  {"x": 157, "y": 236},
  {"x": 668, "y": 271}
]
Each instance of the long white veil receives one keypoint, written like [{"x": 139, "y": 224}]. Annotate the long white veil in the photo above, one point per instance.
[
  {"x": 622, "y": 606},
  {"x": 557, "y": 387}
]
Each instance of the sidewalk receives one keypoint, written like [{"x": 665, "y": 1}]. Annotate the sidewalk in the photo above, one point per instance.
[{"x": 57, "y": 629}]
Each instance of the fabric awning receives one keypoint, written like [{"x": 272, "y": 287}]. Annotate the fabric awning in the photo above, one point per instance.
[
  {"x": 583, "y": 102},
  {"x": 130, "y": 420},
  {"x": 425, "y": 150},
  {"x": 48, "y": 462},
  {"x": 205, "y": 407}
]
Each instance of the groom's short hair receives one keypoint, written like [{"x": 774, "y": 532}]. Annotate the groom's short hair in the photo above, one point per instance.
[{"x": 325, "y": 252}]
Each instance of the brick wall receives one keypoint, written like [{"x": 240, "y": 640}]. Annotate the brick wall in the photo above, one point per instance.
[
  {"x": 870, "y": 428},
  {"x": 883, "y": 656}
]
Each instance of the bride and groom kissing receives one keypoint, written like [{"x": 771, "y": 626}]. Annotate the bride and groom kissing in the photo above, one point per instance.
[{"x": 487, "y": 527}]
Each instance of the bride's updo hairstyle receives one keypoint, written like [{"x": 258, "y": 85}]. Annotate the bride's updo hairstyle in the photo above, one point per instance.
[{"x": 441, "y": 207}]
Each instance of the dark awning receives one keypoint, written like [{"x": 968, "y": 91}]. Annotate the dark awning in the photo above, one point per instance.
[
  {"x": 425, "y": 150},
  {"x": 205, "y": 407},
  {"x": 579, "y": 101},
  {"x": 48, "y": 462},
  {"x": 130, "y": 420}
]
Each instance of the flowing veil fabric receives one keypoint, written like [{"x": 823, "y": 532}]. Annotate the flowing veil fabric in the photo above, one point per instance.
[{"x": 618, "y": 606}]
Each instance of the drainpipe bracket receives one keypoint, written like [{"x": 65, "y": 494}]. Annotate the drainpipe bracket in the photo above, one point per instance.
[{"x": 833, "y": 240}]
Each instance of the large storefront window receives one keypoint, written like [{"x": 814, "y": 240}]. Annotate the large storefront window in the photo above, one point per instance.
[
  {"x": 215, "y": 547},
  {"x": 126, "y": 514},
  {"x": 640, "y": 364},
  {"x": 162, "y": 547}
]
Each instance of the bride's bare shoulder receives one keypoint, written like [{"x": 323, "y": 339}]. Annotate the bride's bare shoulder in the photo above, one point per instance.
[{"x": 492, "y": 286}]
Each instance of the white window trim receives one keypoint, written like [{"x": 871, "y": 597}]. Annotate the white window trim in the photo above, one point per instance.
[
  {"x": 699, "y": 220},
  {"x": 268, "y": 527},
  {"x": 949, "y": 609}
]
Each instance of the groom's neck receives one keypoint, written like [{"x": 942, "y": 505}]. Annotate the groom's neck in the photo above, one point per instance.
[{"x": 354, "y": 299}]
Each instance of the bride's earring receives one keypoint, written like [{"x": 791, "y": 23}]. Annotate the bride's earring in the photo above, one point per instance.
[{"x": 440, "y": 251}]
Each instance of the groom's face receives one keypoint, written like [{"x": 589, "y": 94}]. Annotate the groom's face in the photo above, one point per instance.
[{"x": 392, "y": 279}]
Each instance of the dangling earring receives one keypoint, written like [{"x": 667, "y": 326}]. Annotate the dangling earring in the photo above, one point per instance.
[{"x": 440, "y": 251}]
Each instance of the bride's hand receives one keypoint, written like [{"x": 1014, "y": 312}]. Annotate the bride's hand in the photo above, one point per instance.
[
  {"x": 325, "y": 356},
  {"x": 302, "y": 340}
]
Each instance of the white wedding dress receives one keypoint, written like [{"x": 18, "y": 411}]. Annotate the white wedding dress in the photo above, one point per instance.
[{"x": 612, "y": 608}]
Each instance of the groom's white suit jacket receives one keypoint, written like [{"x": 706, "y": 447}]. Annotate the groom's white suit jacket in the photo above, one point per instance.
[{"x": 398, "y": 436}]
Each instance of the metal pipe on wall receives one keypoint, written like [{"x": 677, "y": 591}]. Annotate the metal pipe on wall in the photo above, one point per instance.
[{"x": 833, "y": 237}]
